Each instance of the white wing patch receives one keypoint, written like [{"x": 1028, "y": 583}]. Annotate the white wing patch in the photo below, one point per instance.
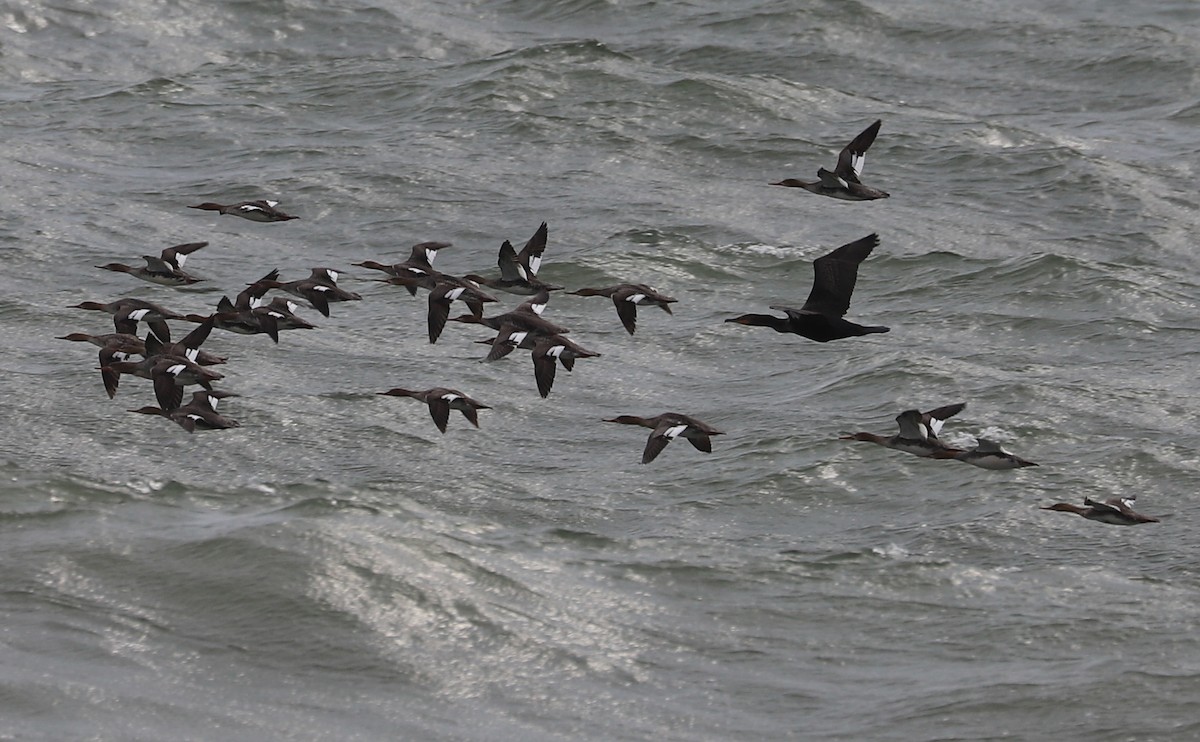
[
  {"x": 517, "y": 338},
  {"x": 674, "y": 431},
  {"x": 935, "y": 425},
  {"x": 537, "y": 308},
  {"x": 535, "y": 262},
  {"x": 137, "y": 314},
  {"x": 635, "y": 298},
  {"x": 453, "y": 294},
  {"x": 272, "y": 204},
  {"x": 192, "y": 354},
  {"x": 556, "y": 351},
  {"x": 857, "y": 162},
  {"x": 180, "y": 259},
  {"x": 430, "y": 255},
  {"x": 451, "y": 397},
  {"x": 176, "y": 370},
  {"x": 333, "y": 275}
]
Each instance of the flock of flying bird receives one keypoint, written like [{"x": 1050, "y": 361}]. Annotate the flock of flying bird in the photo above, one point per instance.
[{"x": 171, "y": 366}]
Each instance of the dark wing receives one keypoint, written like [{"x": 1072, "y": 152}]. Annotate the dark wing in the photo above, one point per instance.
[
  {"x": 507, "y": 340},
  {"x": 160, "y": 329},
  {"x": 657, "y": 441},
  {"x": 177, "y": 256},
  {"x": 194, "y": 339},
  {"x": 835, "y": 275},
  {"x": 626, "y": 309},
  {"x": 510, "y": 269},
  {"x": 471, "y": 414},
  {"x": 316, "y": 296},
  {"x": 111, "y": 379},
  {"x": 544, "y": 369},
  {"x": 934, "y": 418},
  {"x": 530, "y": 257},
  {"x": 423, "y": 254},
  {"x": 124, "y": 323},
  {"x": 948, "y": 411},
  {"x": 268, "y": 324},
  {"x": 850, "y": 159},
  {"x": 439, "y": 410},
  {"x": 701, "y": 443},
  {"x": 256, "y": 290},
  {"x": 168, "y": 393},
  {"x": 187, "y": 422},
  {"x": 439, "y": 311},
  {"x": 153, "y": 346}
]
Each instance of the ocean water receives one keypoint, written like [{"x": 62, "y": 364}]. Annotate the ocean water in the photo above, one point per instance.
[{"x": 336, "y": 568}]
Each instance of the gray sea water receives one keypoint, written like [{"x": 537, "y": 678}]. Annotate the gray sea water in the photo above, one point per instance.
[{"x": 336, "y": 569}]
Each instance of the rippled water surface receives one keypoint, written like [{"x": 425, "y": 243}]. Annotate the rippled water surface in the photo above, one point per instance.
[{"x": 336, "y": 568}]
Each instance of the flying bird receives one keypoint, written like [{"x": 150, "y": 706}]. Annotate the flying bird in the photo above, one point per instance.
[
  {"x": 843, "y": 182},
  {"x": 667, "y": 427},
  {"x": 255, "y": 211},
  {"x": 821, "y": 317}
]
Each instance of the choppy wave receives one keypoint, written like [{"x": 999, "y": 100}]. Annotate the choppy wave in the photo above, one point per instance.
[{"x": 336, "y": 567}]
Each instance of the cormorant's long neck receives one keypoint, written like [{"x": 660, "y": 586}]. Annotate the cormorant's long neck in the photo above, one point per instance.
[{"x": 778, "y": 324}]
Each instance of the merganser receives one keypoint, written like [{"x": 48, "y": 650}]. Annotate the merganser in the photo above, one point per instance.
[
  {"x": 1116, "y": 511},
  {"x": 626, "y": 297},
  {"x": 166, "y": 270},
  {"x": 513, "y": 327},
  {"x": 546, "y": 350},
  {"x": 169, "y": 375},
  {"x": 843, "y": 182},
  {"x": 200, "y": 412},
  {"x": 129, "y": 311},
  {"x": 255, "y": 211},
  {"x": 518, "y": 271},
  {"x": 319, "y": 289},
  {"x": 667, "y": 427},
  {"x": 416, "y": 272},
  {"x": 918, "y": 432},
  {"x": 283, "y": 312},
  {"x": 821, "y": 317},
  {"x": 245, "y": 315},
  {"x": 440, "y": 401}
]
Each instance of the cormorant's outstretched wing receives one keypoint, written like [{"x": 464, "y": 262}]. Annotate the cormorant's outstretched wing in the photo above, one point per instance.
[{"x": 835, "y": 275}]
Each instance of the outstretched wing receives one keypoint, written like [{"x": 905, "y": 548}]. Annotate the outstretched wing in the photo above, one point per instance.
[
  {"x": 530, "y": 257},
  {"x": 835, "y": 275},
  {"x": 626, "y": 301},
  {"x": 510, "y": 269},
  {"x": 854, "y": 155}
]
